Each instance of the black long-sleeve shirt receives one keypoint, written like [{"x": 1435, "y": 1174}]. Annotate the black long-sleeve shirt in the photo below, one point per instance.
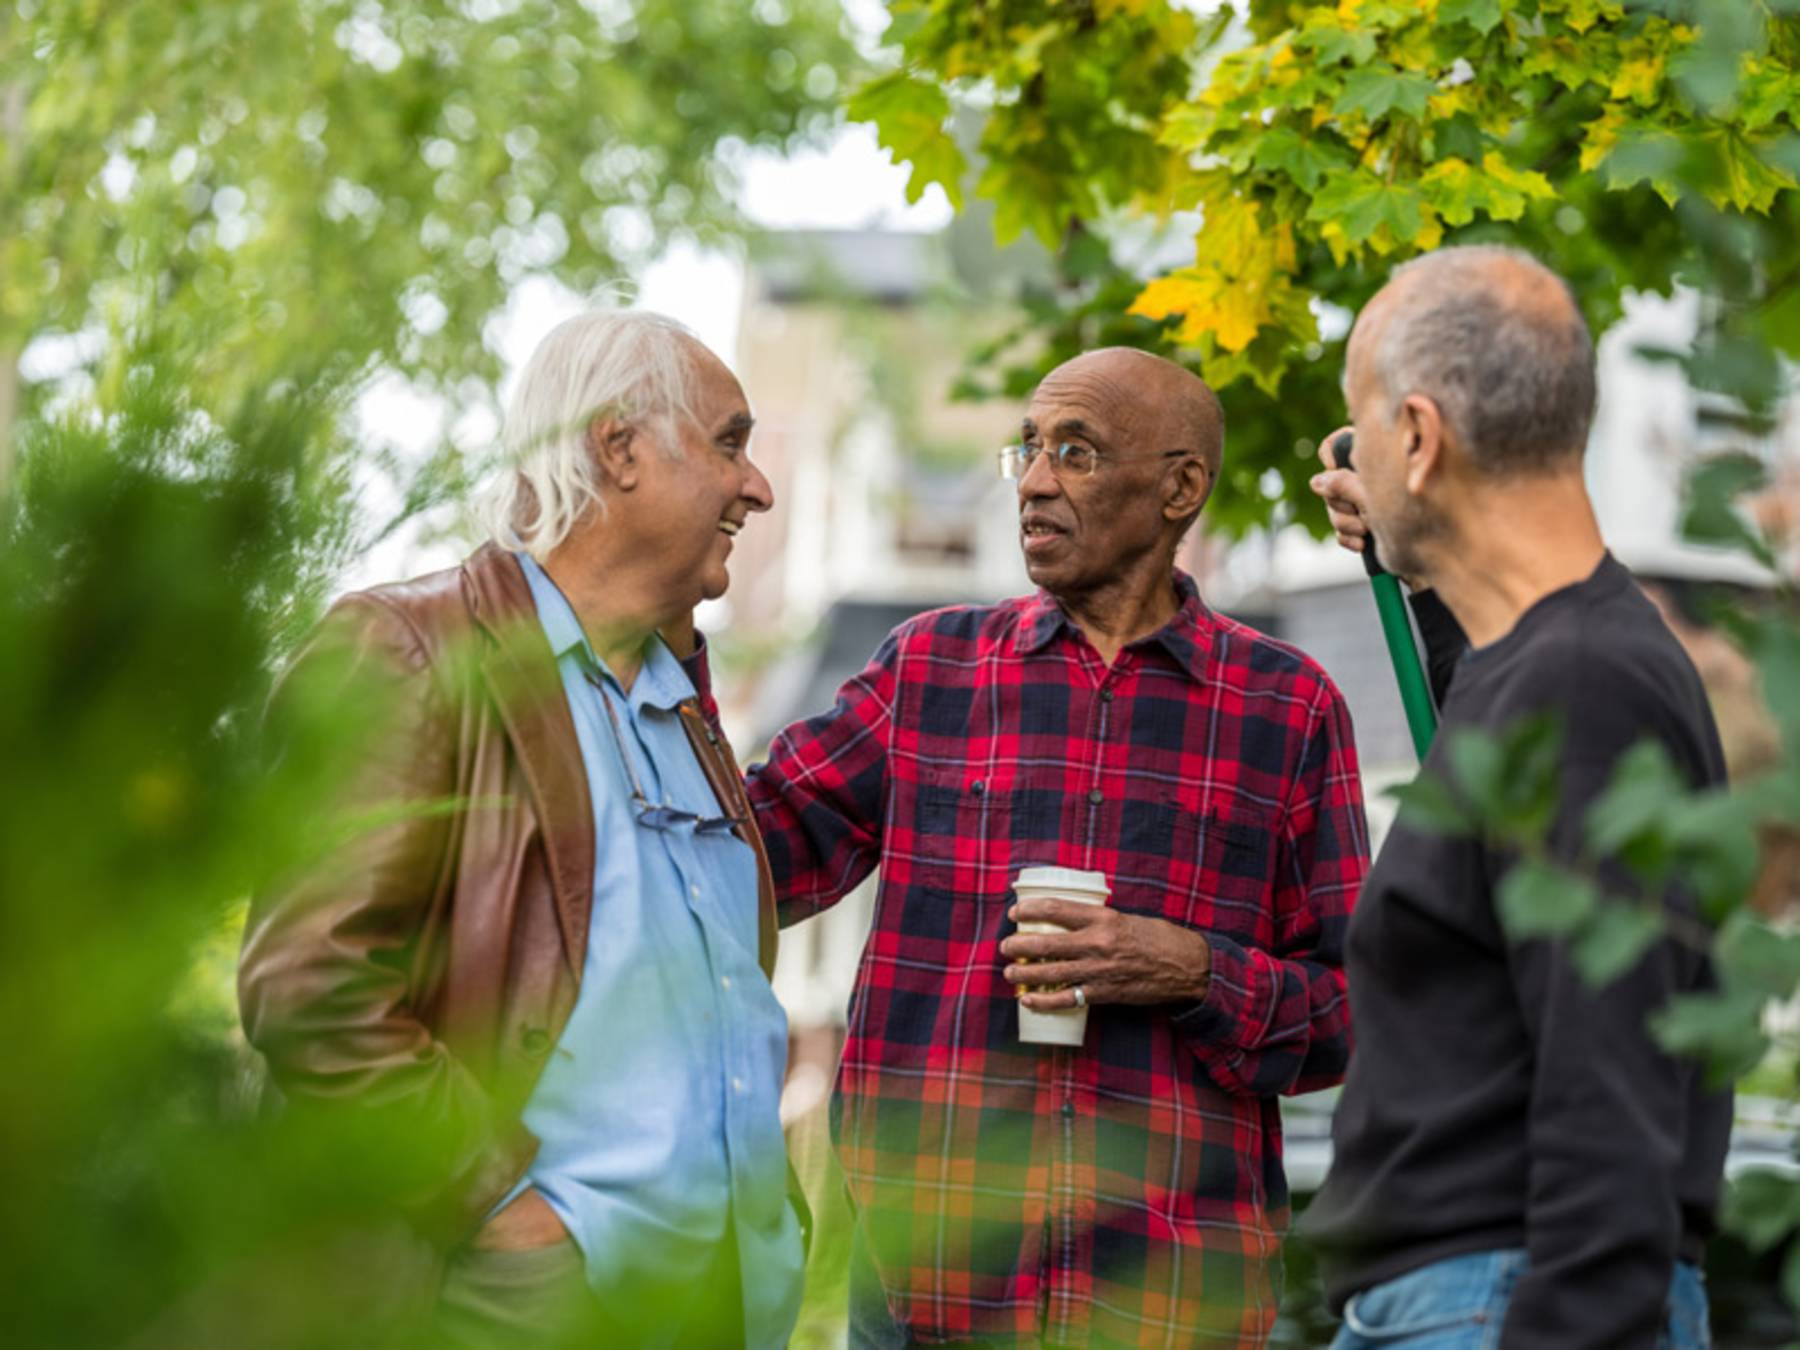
[{"x": 1494, "y": 1099}]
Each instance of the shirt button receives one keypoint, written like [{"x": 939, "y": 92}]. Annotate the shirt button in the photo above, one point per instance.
[
  {"x": 978, "y": 787},
  {"x": 737, "y": 1085},
  {"x": 1106, "y": 696},
  {"x": 1096, "y": 797},
  {"x": 724, "y": 981},
  {"x": 694, "y": 891},
  {"x": 1068, "y": 1108},
  {"x": 535, "y": 1040}
]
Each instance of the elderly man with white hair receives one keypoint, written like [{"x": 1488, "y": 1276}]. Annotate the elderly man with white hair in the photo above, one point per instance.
[{"x": 560, "y": 982}]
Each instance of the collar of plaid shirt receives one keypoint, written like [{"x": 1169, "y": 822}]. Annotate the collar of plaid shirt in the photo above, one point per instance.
[
  {"x": 1130, "y": 1191},
  {"x": 1186, "y": 637}
]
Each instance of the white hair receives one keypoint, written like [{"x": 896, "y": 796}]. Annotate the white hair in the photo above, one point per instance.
[{"x": 628, "y": 364}]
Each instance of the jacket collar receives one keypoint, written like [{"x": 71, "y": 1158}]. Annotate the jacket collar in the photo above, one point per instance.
[
  {"x": 1187, "y": 637},
  {"x": 526, "y": 685}
]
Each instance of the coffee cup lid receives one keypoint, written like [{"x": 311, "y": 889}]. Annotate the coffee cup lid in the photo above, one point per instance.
[{"x": 1063, "y": 879}]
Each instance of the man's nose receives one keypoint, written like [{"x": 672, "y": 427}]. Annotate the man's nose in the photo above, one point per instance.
[
  {"x": 756, "y": 489},
  {"x": 1039, "y": 479}
]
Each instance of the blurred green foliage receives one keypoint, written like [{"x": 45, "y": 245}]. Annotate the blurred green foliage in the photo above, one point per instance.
[
  {"x": 1631, "y": 144},
  {"x": 369, "y": 180},
  {"x": 235, "y": 215},
  {"x": 152, "y": 560}
]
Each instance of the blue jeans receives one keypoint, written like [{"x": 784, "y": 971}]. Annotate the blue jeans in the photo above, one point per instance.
[{"x": 1459, "y": 1304}]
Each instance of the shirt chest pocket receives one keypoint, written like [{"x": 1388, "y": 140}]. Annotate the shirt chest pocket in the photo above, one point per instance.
[
  {"x": 971, "y": 834},
  {"x": 1229, "y": 858}
]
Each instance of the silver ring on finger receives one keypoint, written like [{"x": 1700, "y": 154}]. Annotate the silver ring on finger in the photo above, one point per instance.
[{"x": 1080, "y": 997}]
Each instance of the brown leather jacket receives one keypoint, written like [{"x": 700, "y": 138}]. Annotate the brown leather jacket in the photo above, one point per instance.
[{"x": 429, "y": 963}]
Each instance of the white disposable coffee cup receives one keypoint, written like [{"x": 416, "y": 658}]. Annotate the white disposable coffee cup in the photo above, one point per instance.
[{"x": 1067, "y": 1026}]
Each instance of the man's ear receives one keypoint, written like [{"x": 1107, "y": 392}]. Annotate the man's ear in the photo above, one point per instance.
[
  {"x": 1422, "y": 441},
  {"x": 1193, "y": 485},
  {"x": 612, "y": 443}
]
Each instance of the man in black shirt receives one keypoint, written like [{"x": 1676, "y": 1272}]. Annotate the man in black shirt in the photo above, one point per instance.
[{"x": 1515, "y": 1157}]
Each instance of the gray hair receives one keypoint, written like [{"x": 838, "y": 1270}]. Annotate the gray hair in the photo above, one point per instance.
[
  {"x": 628, "y": 364},
  {"x": 1497, "y": 341}
]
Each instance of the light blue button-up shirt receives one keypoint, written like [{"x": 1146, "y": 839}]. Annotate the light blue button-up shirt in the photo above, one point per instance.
[{"x": 657, "y": 1111}]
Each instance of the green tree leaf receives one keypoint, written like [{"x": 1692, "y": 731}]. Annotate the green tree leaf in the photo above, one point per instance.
[
  {"x": 1644, "y": 789},
  {"x": 1713, "y": 511},
  {"x": 1305, "y": 159},
  {"x": 1615, "y": 941},
  {"x": 1375, "y": 91},
  {"x": 1715, "y": 845},
  {"x": 1332, "y": 44},
  {"x": 910, "y": 115},
  {"x": 1757, "y": 959},
  {"x": 1430, "y": 805},
  {"x": 1723, "y": 1029},
  {"x": 1482, "y": 15},
  {"x": 1541, "y": 899},
  {"x": 1762, "y": 1207},
  {"x": 1364, "y": 208}
]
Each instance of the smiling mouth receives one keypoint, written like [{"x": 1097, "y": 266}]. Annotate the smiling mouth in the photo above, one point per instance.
[
  {"x": 1037, "y": 529},
  {"x": 729, "y": 527}
]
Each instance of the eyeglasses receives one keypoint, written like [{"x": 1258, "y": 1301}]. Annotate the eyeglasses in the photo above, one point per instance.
[
  {"x": 656, "y": 815},
  {"x": 1070, "y": 460}
]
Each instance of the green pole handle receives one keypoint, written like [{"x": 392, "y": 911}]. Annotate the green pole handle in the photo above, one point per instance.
[{"x": 1396, "y": 627}]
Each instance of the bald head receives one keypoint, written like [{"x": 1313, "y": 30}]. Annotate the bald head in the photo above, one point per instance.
[
  {"x": 1496, "y": 340},
  {"x": 1167, "y": 406}
]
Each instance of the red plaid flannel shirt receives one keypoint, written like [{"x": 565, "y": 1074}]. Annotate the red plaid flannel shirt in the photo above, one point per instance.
[{"x": 1130, "y": 1191}]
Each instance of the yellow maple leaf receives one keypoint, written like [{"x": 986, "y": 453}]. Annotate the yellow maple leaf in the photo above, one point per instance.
[
  {"x": 1166, "y": 296},
  {"x": 1235, "y": 288},
  {"x": 1229, "y": 237},
  {"x": 1431, "y": 230},
  {"x": 1231, "y": 320},
  {"x": 1285, "y": 256},
  {"x": 1529, "y": 181},
  {"x": 1637, "y": 79},
  {"x": 1602, "y": 135},
  {"x": 1450, "y": 102},
  {"x": 1209, "y": 306},
  {"x": 1582, "y": 15},
  {"x": 1337, "y": 241}
]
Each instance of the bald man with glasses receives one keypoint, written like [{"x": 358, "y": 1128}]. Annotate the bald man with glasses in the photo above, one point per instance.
[{"x": 1129, "y": 1190}]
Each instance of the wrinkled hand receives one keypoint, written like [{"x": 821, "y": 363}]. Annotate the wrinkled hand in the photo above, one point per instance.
[
  {"x": 1115, "y": 957},
  {"x": 1342, "y": 492},
  {"x": 527, "y": 1223}
]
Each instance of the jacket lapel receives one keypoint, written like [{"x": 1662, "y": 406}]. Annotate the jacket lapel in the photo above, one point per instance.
[
  {"x": 526, "y": 687},
  {"x": 727, "y": 783}
]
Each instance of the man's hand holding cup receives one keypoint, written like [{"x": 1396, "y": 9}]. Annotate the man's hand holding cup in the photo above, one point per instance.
[{"x": 1066, "y": 945}]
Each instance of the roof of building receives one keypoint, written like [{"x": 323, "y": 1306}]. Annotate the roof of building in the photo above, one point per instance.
[{"x": 887, "y": 266}]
